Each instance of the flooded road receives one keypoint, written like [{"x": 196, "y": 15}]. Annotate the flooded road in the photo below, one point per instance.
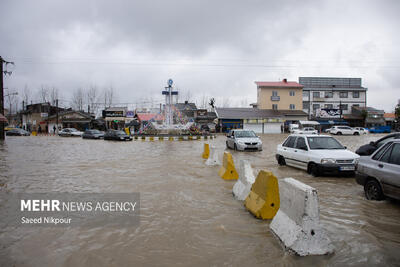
[{"x": 188, "y": 214}]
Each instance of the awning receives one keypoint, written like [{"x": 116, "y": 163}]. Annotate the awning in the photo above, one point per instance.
[
  {"x": 309, "y": 122},
  {"x": 2, "y": 118},
  {"x": 333, "y": 122}
]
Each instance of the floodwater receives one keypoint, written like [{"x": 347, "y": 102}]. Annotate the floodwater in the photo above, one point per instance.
[{"x": 188, "y": 214}]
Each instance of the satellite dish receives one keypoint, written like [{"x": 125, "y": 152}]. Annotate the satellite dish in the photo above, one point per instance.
[{"x": 170, "y": 82}]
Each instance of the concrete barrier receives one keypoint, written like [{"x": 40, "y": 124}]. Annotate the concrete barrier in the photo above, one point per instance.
[
  {"x": 213, "y": 158},
  {"x": 297, "y": 222},
  {"x": 263, "y": 199},
  {"x": 228, "y": 171},
  {"x": 242, "y": 187},
  {"x": 206, "y": 152}
]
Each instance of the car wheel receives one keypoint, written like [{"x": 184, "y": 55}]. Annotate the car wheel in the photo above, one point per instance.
[
  {"x": 356, "y": 133},
  {"x": 373, "y": 190},
  {"x": 313, "y": 170},
  {"x": 227, "y": 144},
  {"x": 339, "y": 133},
  {"x": 281, "y": 161},
  {"x": 234, "y": 147}
]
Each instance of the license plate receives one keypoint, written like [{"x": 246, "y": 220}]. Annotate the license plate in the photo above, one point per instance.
[{"x": 347, "y": 168}]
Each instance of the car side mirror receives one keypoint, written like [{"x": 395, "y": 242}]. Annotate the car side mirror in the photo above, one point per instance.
[
  {"x": 345, "y": 147},
  {"x": 304, "y": 148},
  {"x": 372, "y": 143}
]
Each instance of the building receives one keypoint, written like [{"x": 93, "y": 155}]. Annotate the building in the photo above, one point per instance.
[
  {"x": 115, "y": 117},
  {"x": 390, "y": 120},
  {"x": 284, "y": 95},
  {"x": 70, "y": 119},
  {"x": 258, "y": 120},
  {"x": 365, "y": 117},
  {"x": 36, "y": 115},
  {"x": 186, "y": 109},
  {"x": 329, "y": 98}
]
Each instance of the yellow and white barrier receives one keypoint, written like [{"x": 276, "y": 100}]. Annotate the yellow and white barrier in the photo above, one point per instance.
[
  {"x": 213, "y": 158},
  {"x": 263, "y": 199},
  {"x": 297, "y": 222},
  {"x": 206, "y": 152},
  {"x": 242, "y": 187},
  {"x": 228, "y": 171}
]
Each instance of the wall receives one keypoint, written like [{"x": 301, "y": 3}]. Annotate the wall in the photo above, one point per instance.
[{"x": 264, "y": 98}]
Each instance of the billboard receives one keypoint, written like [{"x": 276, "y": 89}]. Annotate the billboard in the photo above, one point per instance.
[{"x": 329, "y": 113}]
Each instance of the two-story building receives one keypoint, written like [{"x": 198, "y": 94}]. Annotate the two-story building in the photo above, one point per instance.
[{"x": 325, "y": 97}]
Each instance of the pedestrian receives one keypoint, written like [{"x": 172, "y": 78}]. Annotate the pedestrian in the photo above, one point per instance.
[
  {"x": 54, "y": 129},
  {"x": 40, "y": 129}
]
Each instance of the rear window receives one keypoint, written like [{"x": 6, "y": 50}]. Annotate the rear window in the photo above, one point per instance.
[{"x": 395, "y": 156}]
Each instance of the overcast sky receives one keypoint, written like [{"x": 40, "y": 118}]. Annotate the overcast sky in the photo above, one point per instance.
[{"x": 215, "y": 48}]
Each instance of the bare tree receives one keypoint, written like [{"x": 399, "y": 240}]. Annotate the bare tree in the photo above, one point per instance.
[
  {"x": 92, "y": 99},
  {"x": 26, "y": 95},
  {"x": 226, "y": 102},
  {"x": 108, "y": 96},
  {"x": 54, "y": 95},
  {"x": 78, "y": 99},
  {"x": 44, "y": 94}
]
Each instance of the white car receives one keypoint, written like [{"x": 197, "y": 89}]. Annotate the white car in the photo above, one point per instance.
[
  {"x": 361, "y": 130},
  {"x": 243, "y": 140},
  {"x": 317, "y": 154},
  {"x": 306, "y": 130},
  {"x": 69, "y": 132},
  {"x": 339, "y": 130}
]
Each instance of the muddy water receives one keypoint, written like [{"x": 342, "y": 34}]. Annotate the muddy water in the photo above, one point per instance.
[{"x": 188, "y": 214}]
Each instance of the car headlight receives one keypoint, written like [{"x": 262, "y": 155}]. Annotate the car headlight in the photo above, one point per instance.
[
  {"x": 356, "y": 161},
  {"x": 327, "y": 161}
]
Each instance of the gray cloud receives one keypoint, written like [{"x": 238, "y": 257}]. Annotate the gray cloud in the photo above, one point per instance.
[{"x": 216, "y": 48}]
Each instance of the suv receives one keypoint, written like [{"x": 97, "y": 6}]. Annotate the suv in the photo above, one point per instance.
[
  {"x": 370, "y": 148},
  {"x": 243, "y": 140},
  {"x": 339, "y": 130},
  {"x": 316, "y": 154},
  {"x": 379, "y": 173}
]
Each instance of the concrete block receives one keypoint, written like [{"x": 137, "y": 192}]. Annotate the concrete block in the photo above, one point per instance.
[
  {"x": 242, "y": 187},
  {"x": 297, "y": 222},
  {"x": 228, "y": 170},
  {"x": 263, "y": 199},
  {"x": 213, "y": 158}
]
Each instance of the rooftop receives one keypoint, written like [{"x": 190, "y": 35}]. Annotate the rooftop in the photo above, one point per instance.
[{"x": 282, "y": 84}]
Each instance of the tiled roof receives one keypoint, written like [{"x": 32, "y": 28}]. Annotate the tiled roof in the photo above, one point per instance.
[
  {"x": 283, "y": 83},
  {"x": 389, "y": 115},
  {"x": 149, "y": 116}
]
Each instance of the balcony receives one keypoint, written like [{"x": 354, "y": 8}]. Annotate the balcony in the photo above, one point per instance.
[{"x": 275, "y": 98}]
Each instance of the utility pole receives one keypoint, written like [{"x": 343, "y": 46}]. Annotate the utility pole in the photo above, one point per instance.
[
  {"x": 56, "y": 116},
  {"x": 2, "y": 136}
]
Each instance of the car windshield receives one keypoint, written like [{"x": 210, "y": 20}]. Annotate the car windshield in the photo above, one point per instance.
[
  {"x": 324, "y": 143},
  {"x": 95, "y": 131},
  {"x": 73, "y": 130},
  {"x": 120, "y": 133},
  {"x": 245, "y": 134}
]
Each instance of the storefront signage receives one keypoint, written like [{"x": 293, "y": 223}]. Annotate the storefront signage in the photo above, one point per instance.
[
  {"x": 329, "y": 113},
  {"x": 114, "y": 113},
  {"x": 130, "y": 114}
]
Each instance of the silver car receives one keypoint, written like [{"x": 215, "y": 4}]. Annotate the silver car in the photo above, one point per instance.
[
  {"x": 380, "y": 172},
  {"x": 243, "y": 140}
]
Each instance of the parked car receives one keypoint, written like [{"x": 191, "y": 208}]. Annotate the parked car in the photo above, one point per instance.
[
  {"x": 317, "y": 154},
  {"x": 380, "y": 129},
  {"x": 67, "y": 132},
  {"x": 328, "y": 130},
  {"x": 117, "y": 135},
  {"x": 379, "y": 173},
  {"x": 361, "y": 130},
  {"x": 339, "y": 130},
  {"x": 293, "y": 127},
  {"x": 92, "y": 134},
  {"x": 243, "y": 140},
  {"x": 306, "y": 130},
  {"x": 370, "y": 148},
  {"x": 17, "y": 132}
]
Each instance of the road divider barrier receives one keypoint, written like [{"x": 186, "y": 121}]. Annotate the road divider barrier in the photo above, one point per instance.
[
  {"x": 297, "y": 222},
  {"x": 206, "y": 152},
  {"x": 263, "y": 199},
  {"x": 213, "y": 157},
  {"x": 242, "y": 187},
  {"x": 228, "y": 171}
]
